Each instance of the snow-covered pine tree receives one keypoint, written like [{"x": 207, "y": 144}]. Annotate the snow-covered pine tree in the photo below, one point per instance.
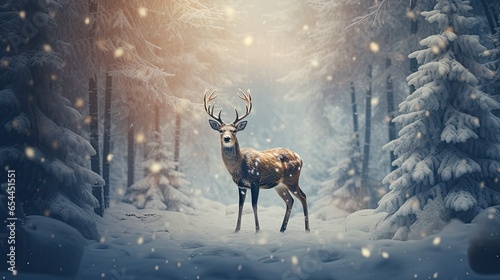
[
  {"x": 448, "y": 148},
  {"x": 38, "y": 124},
  {"x": 163, "y": 187}
]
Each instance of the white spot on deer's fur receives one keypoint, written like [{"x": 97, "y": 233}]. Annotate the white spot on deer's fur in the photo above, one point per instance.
[
  {"x": 298, "y": 168},
  {"x": 277, "y": 170}
]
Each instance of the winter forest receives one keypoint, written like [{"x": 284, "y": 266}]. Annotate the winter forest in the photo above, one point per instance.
[{"x": 111, "y": 168}]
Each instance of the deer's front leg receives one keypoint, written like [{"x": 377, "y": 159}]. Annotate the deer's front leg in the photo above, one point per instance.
[
  {"x": 242, "y": 194},
  {"x": 255, "y": 197}
]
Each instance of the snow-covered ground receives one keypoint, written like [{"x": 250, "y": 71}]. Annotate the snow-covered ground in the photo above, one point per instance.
[{"x": 153, "y": 244}]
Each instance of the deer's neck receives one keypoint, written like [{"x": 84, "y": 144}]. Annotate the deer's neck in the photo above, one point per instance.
[{"x": 232, "y": 159}]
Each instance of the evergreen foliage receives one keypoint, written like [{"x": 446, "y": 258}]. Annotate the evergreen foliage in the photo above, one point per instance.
[
  {"x": 39, "y": 126},
  {"x": 448, "y": 147},
  {"x": 163, "y": 187}
]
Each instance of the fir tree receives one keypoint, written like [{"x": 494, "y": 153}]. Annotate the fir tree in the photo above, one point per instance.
[
  {"x": 448, "y": 148},
  {"x": 163, "y": 187},
  {"x": 39, "y": 127}
]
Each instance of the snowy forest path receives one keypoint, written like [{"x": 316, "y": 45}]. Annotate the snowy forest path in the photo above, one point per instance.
[{"x": 154, "y": 244}]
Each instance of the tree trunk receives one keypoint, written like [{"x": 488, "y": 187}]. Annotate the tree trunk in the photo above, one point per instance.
[
  {"x": 93, "y": 104},
  {"x": 157, "y": 129},
  {"x": 390, "y": 111},
  {"x": 106, "y": 138},
  {"x": 130, "y": 149},
  {"x": 413, "y": 31},
  {"x": 489, "y": 16},
  {"x": 355, "y": 119},
  {"x": 366, "y": 147},
  {"x": 356, "y": 149},
  {"x": 177, "y": 139}
]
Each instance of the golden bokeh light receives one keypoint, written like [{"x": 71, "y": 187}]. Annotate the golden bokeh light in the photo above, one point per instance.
[
  {"x": 119, "y": 52},
  {"x": 79, "y": 102},
  {"x": 248, "y": 41},
  {"x": 155, "y": 167},
  {"x": 140, "y": 138},
  {"x": 29, "y": 152},
  {"x": 314, "y": 63},
  {"x": 374, "y": 47},
  {"x": 143, "y": 12},
  {"x": 47, "y": 47},
  {"x": 230, "y": 13}
]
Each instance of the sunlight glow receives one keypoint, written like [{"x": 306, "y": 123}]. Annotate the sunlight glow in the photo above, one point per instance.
[
  {"x": 295, "y": 260},
  {"x": 87, "y": 21},
  {"x": 22, "y": 14},
  {"x": 230, "y": 13},
  {"x": 248, "y": 41}
]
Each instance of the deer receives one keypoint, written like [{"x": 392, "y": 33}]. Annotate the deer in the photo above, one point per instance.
[{"x": 277, "y": 168}]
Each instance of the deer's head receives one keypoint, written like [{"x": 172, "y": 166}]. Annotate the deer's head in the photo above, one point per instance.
[{"x": 227, "y": 131}]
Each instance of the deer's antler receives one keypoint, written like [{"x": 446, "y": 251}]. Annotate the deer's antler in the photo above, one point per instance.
[
  {"x": 210, "y": 108},
  {"x": 248, "y": 99}
]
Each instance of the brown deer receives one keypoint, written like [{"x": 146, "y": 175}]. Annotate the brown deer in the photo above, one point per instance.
[{"x": 277, "y": 168}]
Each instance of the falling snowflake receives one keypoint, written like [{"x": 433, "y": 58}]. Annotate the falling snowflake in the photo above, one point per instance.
[{"x": 365, "y": 252}]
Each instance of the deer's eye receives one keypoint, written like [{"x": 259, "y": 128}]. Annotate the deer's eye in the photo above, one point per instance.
[
  {"x": 220, "y": 131},
  {"x": 233, "y": 131}
]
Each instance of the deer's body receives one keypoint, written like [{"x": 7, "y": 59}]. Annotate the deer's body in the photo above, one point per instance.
[
  {"x": 269, "y": 167},
  {"x": 277, "y": 168}
]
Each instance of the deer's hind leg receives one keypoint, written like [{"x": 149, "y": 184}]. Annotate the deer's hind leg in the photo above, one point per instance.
[
  {"x": 285, "y": 195},
  {"x": 302, "y": 197}
]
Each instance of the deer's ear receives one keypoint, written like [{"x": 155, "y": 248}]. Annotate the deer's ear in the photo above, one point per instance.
[
  {"x": 215, "y": 125},
  {"x": 241, "y": 125}
]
